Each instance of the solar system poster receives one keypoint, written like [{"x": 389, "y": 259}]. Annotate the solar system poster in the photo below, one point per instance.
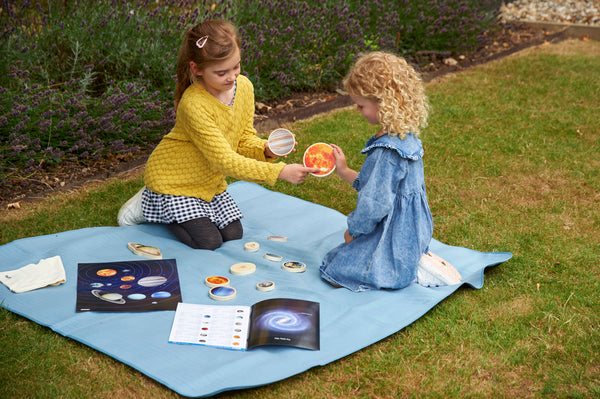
[{"x": 128, "y": 286}]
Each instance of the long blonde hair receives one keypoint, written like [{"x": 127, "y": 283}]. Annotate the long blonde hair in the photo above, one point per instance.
[
  {"x": 396, "y": 87},
  {"x": 222, "y": 40}
]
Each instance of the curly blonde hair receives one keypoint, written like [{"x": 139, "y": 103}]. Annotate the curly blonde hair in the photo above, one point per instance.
[{"x": 396, "y": 87}]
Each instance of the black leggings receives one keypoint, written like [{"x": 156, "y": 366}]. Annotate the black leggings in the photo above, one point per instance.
[{"x": 203, "y": 234}]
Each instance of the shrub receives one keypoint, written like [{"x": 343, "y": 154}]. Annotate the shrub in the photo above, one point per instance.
[{"x": 81, "y": 80}]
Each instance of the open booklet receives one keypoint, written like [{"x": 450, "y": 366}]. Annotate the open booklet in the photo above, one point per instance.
[{"x": 278, "y": 321}]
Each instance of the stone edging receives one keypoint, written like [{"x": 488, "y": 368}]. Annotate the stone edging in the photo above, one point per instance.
[{"x": 569, "y": 30}]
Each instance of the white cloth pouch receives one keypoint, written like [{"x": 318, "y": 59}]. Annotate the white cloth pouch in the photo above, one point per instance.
[{"x": 49, "y": 271}]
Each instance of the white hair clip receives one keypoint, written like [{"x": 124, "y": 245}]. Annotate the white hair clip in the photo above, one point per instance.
[{"x": 202, "y": 41}]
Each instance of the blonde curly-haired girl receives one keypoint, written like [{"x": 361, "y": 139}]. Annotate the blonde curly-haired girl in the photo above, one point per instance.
[{"x": 391, "y": 228}]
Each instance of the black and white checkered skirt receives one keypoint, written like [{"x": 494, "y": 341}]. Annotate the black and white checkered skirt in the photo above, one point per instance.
[{"x": 166, "y": 208}]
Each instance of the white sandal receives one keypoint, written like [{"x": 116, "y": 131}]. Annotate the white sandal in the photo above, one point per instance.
[{"x": 434, "y": 271}]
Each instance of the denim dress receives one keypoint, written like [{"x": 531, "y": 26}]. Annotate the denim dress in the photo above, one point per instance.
[{"x": 391, "y": 225}]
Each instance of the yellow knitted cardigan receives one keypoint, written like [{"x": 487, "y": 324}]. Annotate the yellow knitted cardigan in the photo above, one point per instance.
[{"x": 210, "y": 140}]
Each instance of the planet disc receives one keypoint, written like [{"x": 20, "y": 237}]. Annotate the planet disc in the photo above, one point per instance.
[
  {"x": 222, "y": 293},
  {"x": 243, "y": 268}
]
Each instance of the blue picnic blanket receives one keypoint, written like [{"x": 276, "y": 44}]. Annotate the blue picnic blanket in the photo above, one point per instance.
[{"x": 349, "y": 321}]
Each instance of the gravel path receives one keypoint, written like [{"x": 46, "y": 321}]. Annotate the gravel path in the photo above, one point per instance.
[{"x": 585, "y": 12}]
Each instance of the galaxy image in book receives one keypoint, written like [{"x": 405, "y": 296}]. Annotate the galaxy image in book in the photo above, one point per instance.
[
  {"x": 128, "y": 286},
  {"x": 282, "y": 321}
]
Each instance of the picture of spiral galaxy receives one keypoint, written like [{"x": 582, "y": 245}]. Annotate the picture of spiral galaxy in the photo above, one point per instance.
[
  {"x": 283, "y": 321},
  {"x": 128, "y": 286}
]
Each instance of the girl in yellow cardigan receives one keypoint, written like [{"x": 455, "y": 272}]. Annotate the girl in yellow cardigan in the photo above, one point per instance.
[{"x": 213, "y": 137}]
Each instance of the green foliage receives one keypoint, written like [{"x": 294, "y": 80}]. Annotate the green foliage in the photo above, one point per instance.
[{"x": 86, "y": 80}]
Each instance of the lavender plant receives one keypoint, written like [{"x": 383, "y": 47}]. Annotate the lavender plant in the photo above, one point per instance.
[
  {"x": 81, "y": 80},
  {"x": 302, "y": 45}
]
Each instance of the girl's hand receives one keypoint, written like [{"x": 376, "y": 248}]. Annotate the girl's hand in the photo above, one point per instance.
[
  {"x": 347, "y": 237},
  {"x": 268, "y": 152},
  {"x": 341, "y": 166},
  {"x": 295, "y": 173},
  {"x": 340, "y": 157}
]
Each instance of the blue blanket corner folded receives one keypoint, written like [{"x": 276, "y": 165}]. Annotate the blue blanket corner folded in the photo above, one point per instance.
[{"x": 349, "y": 321}]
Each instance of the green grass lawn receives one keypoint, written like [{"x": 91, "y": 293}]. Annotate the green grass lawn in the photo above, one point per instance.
[{"x": 512, "y": 164}]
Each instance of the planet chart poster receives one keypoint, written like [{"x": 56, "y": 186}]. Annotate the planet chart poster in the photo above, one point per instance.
[{"x": 128, "y": 286}]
